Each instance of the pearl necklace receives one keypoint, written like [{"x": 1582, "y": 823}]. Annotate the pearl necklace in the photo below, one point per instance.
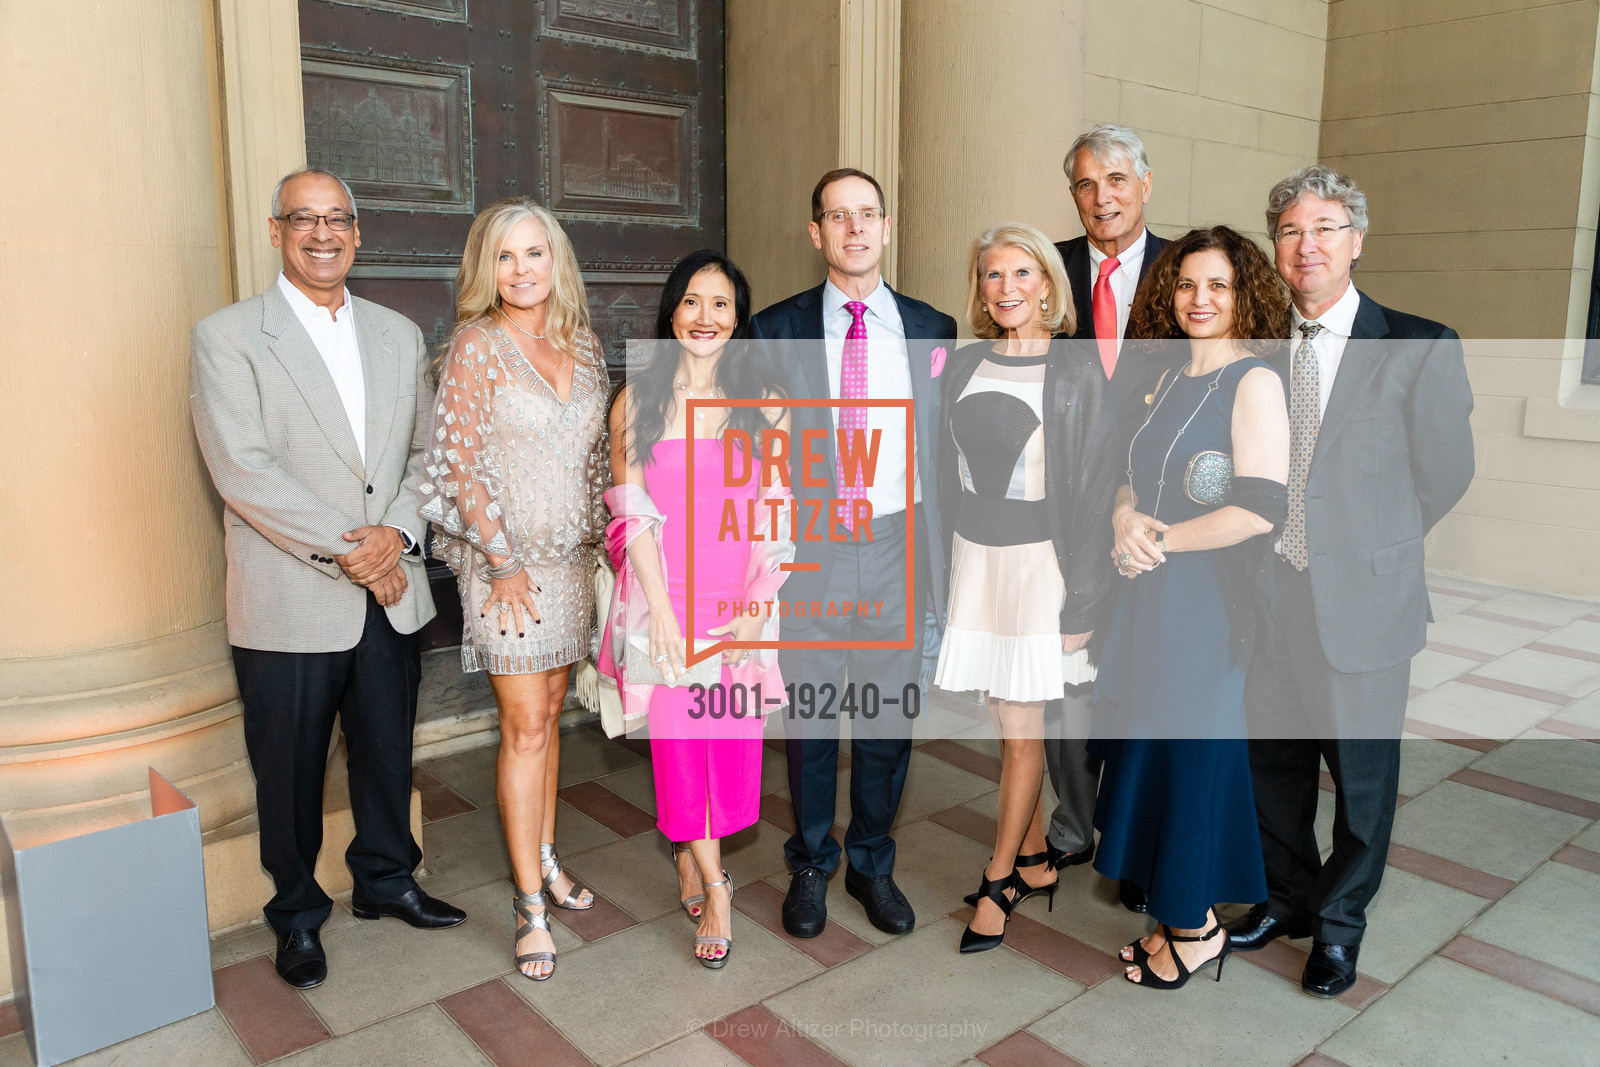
[{"x": 699, "y": 416}]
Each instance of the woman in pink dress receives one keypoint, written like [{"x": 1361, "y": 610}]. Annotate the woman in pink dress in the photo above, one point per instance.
[{"x": 705, "y": 717}]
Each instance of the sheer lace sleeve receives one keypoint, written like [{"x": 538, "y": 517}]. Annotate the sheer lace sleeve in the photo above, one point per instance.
[
  {"x": 463, "y": 488},
  {"x": 599, "y": 472}
]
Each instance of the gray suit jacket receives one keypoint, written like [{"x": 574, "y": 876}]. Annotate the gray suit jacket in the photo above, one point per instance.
[
  {"x": 275, "y": 436},
  {"x": 1393, "y": 456}
]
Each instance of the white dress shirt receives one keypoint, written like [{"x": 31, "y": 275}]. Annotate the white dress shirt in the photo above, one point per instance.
[
  {"x": 888, "y": 378},
  {"x": 334, "y": 334},
  {"x": 1124, "y": 280},
  {"x": 1337, "y": 322}
]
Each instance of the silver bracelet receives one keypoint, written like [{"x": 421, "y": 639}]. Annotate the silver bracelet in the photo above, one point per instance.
[{"x": 506, "y": 569}]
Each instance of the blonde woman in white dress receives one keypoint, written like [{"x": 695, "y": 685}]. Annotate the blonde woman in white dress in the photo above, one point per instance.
[{"x": 518, "y": 466}]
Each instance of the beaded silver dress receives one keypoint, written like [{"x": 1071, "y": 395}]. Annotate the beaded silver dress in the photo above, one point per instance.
[{"x": 513, "y": 470}]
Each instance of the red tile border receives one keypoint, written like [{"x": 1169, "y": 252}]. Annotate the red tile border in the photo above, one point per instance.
[
  {"x": 591, "y": 924},
  {"x": 270, "y": 1018},
  {"x": 1326, "y": 784},
  {"x": 1459, "y": 652},
  {"x": 1533, "y": 975},
  {"x": 963, "y": 820},
  {"x": 762, "y": 903},
  {"x": 1455, "y": 737},
  {"x": 1509, "y": 620},
  {"x": 1022, "y": 1049},
  {"x": 1533, "y": 794},
  {"x": 439, "y": 801},
  {"x": 1570, "y": 729},
  {"x": 779, "y": 811},
  {"x": 621, "y": 817},
  {"x": 1592, "y": 618},
  {"x": 507, "y": 1028},
  {"x": 1515, "y": 689},
  {"x": 1289, "y": 963},
  {"x": 1581, "y": 858},
  {"x": 1448, "y": 872},
  {"x": 1559, "y": 650},
  {"x": 1048, "y": 946},
  {"x": 10, "y": 1020},
  {"x": 1462, "y": 593},
  {"x": 959, "y": 755},
  {"x": 762, "y": 1039}
]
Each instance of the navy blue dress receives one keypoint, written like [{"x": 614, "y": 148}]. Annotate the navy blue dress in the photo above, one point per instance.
[{"x": 1176, "y": 812}]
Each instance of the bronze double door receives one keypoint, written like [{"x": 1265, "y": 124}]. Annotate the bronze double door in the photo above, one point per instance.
[{"x": 608, "y": 112}]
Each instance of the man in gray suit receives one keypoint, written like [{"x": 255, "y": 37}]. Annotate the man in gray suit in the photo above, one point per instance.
[
  {"x": 311, "y": 411},
  {"x": 1380, "y": 451}
]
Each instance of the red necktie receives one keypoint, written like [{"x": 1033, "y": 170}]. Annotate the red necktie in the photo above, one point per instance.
[
  {"x": 1105, "y": 315},
  {"x": 852, "y": 386}
]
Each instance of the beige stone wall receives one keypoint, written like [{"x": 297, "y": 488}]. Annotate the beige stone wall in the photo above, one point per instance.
[
  {"x": 1473, "y": 127},
  {"x": 1227, "y": 95},
  {"x": 990, "y": 98},
  {"x": 783, "y": 132}
]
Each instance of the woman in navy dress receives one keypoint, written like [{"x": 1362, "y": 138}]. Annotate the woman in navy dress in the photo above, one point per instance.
[{"x": 1176, "y": 811}]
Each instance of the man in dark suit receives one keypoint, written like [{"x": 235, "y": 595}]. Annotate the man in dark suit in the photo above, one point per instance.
[
  {"x": 1380, "y": 451},
  {"x": 1111, "y": 180},
  {"x": 854, "y": 337}
]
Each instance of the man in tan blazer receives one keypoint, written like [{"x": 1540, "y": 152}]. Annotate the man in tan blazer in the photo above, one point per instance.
[{"x": 311, "y": 411}]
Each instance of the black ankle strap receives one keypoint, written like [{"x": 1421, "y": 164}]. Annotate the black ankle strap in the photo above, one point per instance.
[{"x": 1207, "y": 936}]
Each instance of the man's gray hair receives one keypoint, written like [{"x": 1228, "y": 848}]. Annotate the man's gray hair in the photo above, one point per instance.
[
  {"x": 277, "y": 190},
  {"x": 1107, "y": 144},
  {"x": 1325, "y": 183}
]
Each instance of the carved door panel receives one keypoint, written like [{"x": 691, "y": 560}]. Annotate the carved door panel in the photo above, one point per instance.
[{"x": 608, "y": 112}]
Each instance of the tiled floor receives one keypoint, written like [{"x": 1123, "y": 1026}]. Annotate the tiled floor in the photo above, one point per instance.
[{"x": 1484, "y": 944}]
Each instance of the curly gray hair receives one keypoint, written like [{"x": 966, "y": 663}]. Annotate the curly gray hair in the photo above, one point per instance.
[
  {"x": 1324, "y": 183},
  {"x": 1108, "y": 143}
]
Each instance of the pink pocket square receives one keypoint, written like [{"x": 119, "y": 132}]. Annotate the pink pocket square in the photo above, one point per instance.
[{"x": 938, "y": 360}]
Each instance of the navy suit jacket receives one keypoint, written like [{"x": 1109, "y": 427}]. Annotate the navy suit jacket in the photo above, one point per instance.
[
  {"x": 1135, "y": 377},
  {"x": 802, "y": 370}
]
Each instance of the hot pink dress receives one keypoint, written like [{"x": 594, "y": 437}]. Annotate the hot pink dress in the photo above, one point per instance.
[{"x": 705, "y": 764}]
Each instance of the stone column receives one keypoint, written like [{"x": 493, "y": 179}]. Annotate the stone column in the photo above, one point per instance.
[
  {"x": 113, "y": 652},
  {"x": 990, "y": 99}
]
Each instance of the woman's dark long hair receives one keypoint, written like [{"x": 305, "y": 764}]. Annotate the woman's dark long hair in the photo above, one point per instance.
[
  {"x": 1260, "y": 300},
  {"x": 651, "y": 387}
]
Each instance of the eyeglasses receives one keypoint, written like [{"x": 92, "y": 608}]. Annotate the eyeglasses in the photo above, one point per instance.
[
  {"x": 305, "y": 220},
  {"x": 839, "y": 218},
  {"x": 1321, "y": 233}
]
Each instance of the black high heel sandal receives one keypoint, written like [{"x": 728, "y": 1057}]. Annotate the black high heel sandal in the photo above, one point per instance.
[
  {"x": 971, "y": 940},
  {"x": 1024, "y": 890},
  {"x": 1148, "y": 977}
]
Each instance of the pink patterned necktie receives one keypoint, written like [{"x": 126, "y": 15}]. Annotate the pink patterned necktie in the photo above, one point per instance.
[{"x": 852, "y": 386}]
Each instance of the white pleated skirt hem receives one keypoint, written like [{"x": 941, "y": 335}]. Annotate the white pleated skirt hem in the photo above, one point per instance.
[{"x": 1025, "y": 668}]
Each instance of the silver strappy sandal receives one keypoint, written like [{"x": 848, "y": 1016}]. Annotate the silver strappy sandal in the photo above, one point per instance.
[
  {"x": 716, "y": 963},
  {"x": 548, "y": 859},
  {"x": 689, "y": 904},
  {"x": 521, "y": 903}
]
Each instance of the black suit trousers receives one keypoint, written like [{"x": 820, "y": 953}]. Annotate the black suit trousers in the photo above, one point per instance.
[
  {"x": 290, "y": 700},
  {"x": 880, "y": 748},
  {"x": 1295, "y": 702}
]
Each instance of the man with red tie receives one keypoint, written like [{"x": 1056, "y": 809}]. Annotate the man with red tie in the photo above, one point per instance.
[{"x": 1110, "y": 178}]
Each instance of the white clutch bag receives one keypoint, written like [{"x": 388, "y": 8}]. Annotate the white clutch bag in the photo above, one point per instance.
[
  {"x": 1075, "y": 668},
  {"x": 640, "y": 669}
]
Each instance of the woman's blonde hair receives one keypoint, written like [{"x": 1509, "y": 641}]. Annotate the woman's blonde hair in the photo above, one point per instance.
[
  {"x": 477, "y": 288},
  {"x": 1059, "y": 316}
]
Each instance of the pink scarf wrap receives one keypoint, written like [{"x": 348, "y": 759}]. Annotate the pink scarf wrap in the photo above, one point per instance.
[{"x": 635, "y": 514}]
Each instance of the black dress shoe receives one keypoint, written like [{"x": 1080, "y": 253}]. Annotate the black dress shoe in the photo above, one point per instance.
[
  {"x": 887, "y": 908},
  {"x": 805, "y": 907},
  {"x": 1331, "y": 969},
  {"x": 1133, "y": 897},
  {"x": 1255, "y": 928},
  {"x": 301, "y": 961},
  {"x": 415, "y": 907}
]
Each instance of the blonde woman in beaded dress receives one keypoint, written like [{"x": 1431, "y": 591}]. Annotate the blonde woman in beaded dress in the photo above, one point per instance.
[{"x": 516, "y": 471}]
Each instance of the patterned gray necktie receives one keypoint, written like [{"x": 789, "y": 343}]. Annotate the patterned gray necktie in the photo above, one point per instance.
[{"x": 1305, "y": 418}]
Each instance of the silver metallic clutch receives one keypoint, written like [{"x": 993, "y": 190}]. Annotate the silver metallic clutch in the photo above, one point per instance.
[
  {"x": 640, "y": 669},
  {"x": 1208, "y": 478}
]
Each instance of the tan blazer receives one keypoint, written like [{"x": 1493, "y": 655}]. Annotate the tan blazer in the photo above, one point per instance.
[{"x": 279, "y": 446}]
